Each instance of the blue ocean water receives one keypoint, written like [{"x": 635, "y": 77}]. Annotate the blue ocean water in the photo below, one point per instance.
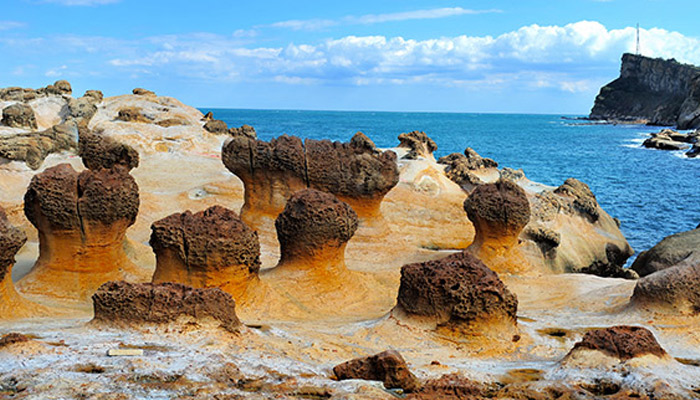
[{"x": 652, "y": 192}]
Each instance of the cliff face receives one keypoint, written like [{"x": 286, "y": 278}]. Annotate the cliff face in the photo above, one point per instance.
[{"x": 656, "y": 90}]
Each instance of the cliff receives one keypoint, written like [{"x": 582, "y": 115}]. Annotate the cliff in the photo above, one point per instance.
[{"x": 660, "y": 92}]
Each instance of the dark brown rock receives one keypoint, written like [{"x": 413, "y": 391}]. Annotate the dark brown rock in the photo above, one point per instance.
[
  {"x": 100, "y": 151},
  {"x": 11, "y": 241},
  {"x": 210, "y": 239},
  {"x": 245, "y": 130},
  {"x": 32, "y": 148},
  {"x": 142, "y": 92},
  {"x": 584, "y": 201},
  {"x": 12, "y": 338},
  {"x": 457, "y": 289},
  {"x": 671, "y": 290},
  {"x": 216, "y": 127},
  {"x": 613, "y": 264},
  {"x": 418, "y": 145},
  {"x": 95, "y": 95},
  {"x": 622, "y": 342},
  {"x": 314, "y": 220},
  {"x": 387, "y": 367},
  {"x": 138, "y": 303},
  {"x": 669, "y": 252},
  {"x": 453, "y": 387},
  {"x": 19, "y": 115},
  {"x": 498, "y": 209},
  {"x": 132, "y": 114},
  {"x": 460, "y": 167},
  {"x": 62, "y": 87},
  {"x": 208, "y": 116}
]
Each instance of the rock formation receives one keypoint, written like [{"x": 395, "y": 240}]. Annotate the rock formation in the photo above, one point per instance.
[
  {"x": 22, "y": 95},
  {"x": 245, "y": 130},
  {"x": 132, "y": 114},
  {"x": 33, "y": 147},
  {"x": 418, "y": 145},
  {"x": 460, "y": 293},
  {"x": 19, "y": 115},
  {"x": 689, "y": 117},
  {"x": 467, "y": 169},
  {"x": 143, "y": 92},
  {"x": 673, "y": 290},
  {"x": 11, "y": 241},
  {"x": 135, "y": 304},
  {"x": 616, "y": 344},
  {"x": 671, "y": 251},
  {"x": 499, "y": 212},
  {"x": 211, "y": 248},
  {"x": 82, "y": 220},
  {"x": 272, "y": 171},
  {"x": 216, "y": 127},
  {"x": 388, "y": 367},
  {"x": 652, "y": 90},
  {"x": 103, "y": 152}
]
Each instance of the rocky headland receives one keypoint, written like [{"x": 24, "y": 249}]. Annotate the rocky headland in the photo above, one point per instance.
[{"x": 149, "y": 250}]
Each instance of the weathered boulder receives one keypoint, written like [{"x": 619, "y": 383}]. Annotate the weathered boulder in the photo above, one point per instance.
[
  {"x": 418, "y": 145},
  {"x": 620, "y": 343},
  {"x": 272, "y": 171},
  {"x": 584, "y": 201},
  {"x": 694, "y": 151},
  {"x": 134, "y": 304},
  {"x": 245, "y": 130},
  {"x": 216, "y": 127},
  {"x": 99, "y": 151},
  {"x": 132, "y": 114},
  {"x": 82, "y": 108},
  {"x": 499, "y": 212},
  {"x": 458, "y": 292},
  {"x": 211, "y": 248},
  {"x": 208, "y": 116},
  {"x": 60, "y": 87},
  {"x": 33, "y": 147},
  {"x": 19, "y": 115},
  {"x": 674, "y": 290},
  {"x": 388, "y": 367},
  {"x": 669, "y": 252},
  {"x": 95, "y": 95},
  {"x": 11, "y": 241},
  {"x": 462, "y": 168},
  {"x": 82, "y": 221},
  {"x": 142, "y": 92},
  {"x": 664, "y": 143}
]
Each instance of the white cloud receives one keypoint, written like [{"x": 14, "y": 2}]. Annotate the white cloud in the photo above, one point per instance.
[
  {"x": 7, "y": 25},
  {"x": 319, "y": 24},
  {"x": 56, "y": 72},
  {"x": 81, "y": 2}
]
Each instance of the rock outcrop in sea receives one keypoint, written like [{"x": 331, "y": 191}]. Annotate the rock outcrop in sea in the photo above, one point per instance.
[{"x": 653, "y": 91}]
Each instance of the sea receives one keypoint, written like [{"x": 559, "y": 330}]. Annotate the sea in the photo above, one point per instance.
[{"x": 652, "y": 192}]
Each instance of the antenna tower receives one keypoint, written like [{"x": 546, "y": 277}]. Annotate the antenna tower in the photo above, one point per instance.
[{"x": 637, "y": 38}]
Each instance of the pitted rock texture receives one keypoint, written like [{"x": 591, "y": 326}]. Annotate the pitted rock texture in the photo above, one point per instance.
[
  {"x": 418, "y": 144},
  {"x": 99, "y": 151},
  {"x": 22, "y": 94},
  {"x": 132, "y": 114},
  {"x": 19, "y": 115},
  {"x": 95, "y": 95},
  {"x": 212, "y": 239},
  {"x": 498, "y": 209},
  {"x": 11, "y": 241},
  {"x": 458, "y": 289},
  {"x": 675, "y": 289},
  {"x": 244, "y": 130},
  {"x": 460, "y": 167},
  {"x": 621, "y": 342},
  {"x": 313, "y": 220},
  {"x": 83, "y": 108},
  {"x": 138, "y": 303},
  {"x": 653, "y": 90},
  {"x": 216, "y": 127},
  {"x": 61, "y": 199},
  {"x": 388, "y": 367},
  {"x": 584, "y": 201},
  {"x": 668, "y": 253},
  {"x": 32, "y": 148}
]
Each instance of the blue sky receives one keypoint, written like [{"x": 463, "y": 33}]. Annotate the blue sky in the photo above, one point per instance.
[{"x": 412, "y": 55}]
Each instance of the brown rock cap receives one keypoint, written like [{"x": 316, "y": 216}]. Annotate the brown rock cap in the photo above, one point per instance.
[
  {"x": 622, "y": 342},
  {"x": 19, "y": 115},
  {"x": 100, "y": 151},
  {"x": 244, "y": 130},
  {"x": 500, "y": 206},
  {"x": 457, "y": 289},
  {"x": 137, "y": 303},
  {"x": 313, "y": 220},
  {"x": 11, "y": 241},
  {"x": 132, "y": 114},
  {"x": 388, "y": 367},
  {"x": 460, "y": 167},
  {"x": 142, "y": 92},
  {"x": 418, "y": 144},
  {"x": 210, "y": 239},
  {"x": 584, "y": 202}
]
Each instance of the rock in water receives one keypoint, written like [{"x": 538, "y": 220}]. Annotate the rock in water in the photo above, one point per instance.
[
  {"x": 19, "y": 115},
  {"x": 621, "y": 343},
  {"x": 244, "y": 130},
  {"x": 122, "y": 303},
  {"x": 459, "y": 292},
  {"x": 272, "y": 171},
  {"x": 388, "y": 367},
  {"x": 82, "y": 221},
  {"x": 211, "y": 248},
  {"x": 499, "y": 212},
  {"x": 669, "y": 252},
  {"x": 418, "y": 145}
]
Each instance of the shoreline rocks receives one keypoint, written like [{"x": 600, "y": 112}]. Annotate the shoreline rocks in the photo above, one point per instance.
[{"x": 388, "y": 367}]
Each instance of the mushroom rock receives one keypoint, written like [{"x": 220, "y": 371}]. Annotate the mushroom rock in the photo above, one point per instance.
[
  {"x": 313, "y": 231},
  {"x": 418, "y": 145},
  {"x": 272, "y": 171},
  {"x": 388, "y": 367},
  {"x": 460, "y": 294},
  {"x": 33, "y": 147},
  {"x": 499, "y": 212},
  {"x": 211, "y": 248},
  {"x": 99, "y": 151},
  {"x": 61, "y": 87},
  {"x": 19, "y": 115},
  {"x": 134, "y": 304},
  {"x": 671, "y": 251},
  {"x": 82, "y": 221},
  {"x": 674, "y": 290},
  {"x": 469, "y": 170},
  {"x": 608, "y": 347},
  {"x": 95, "y": 95}
]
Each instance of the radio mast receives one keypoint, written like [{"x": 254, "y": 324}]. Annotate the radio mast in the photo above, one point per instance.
[{"x": 637, "y": 38}]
